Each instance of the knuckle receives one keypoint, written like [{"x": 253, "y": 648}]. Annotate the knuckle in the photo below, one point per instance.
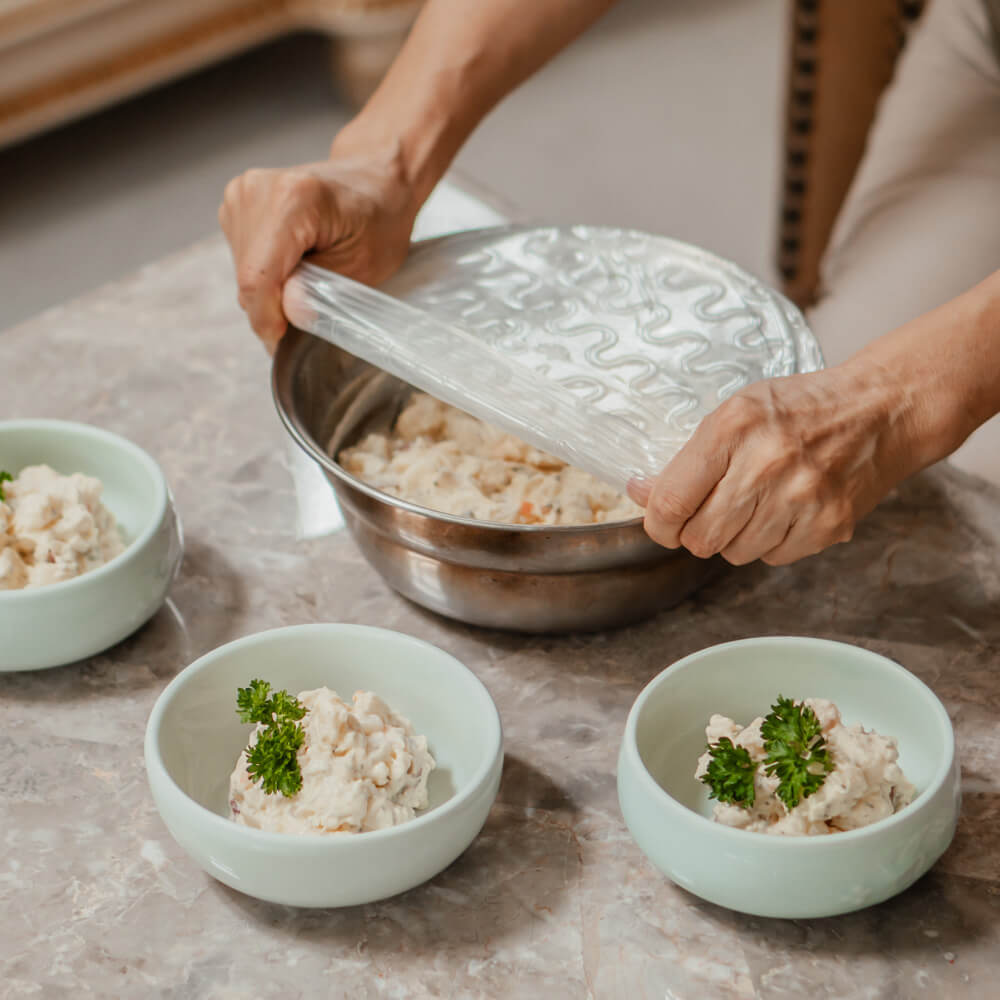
[
  {"x": 660, "y": 535},
  {"x": 701, "y": 550},
  {"x": 742, "y": 412},
  {"x": 231, "y": 192},
  {"x": 737, "y": 557},
  {"x": 242, "y": 184},
  {"x": 669, "y": 508},
  {"x": 843, "y": 532},
  {"x": 837, "y": 524},
  {"x": 698, "y": 542},
  {"x": 301, "y": 233},
  {"x": 778, "y": 457},
  {"x": 783, "y": 555},
  {"x": 805, "y": 489},
  {"x": 247, "y": 281},
  {"x": 300, "y": 186}
]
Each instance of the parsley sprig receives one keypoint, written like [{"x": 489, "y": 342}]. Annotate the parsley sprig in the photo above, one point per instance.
[
  {"x": 273, "y": 759},
  {"x": 730, "y": 773},
  {"x": 795, "y": 751},
  {"x": 5, "y": 477}
]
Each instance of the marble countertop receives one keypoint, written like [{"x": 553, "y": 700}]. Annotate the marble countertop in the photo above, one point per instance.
[{"x": 553, "y": 899}]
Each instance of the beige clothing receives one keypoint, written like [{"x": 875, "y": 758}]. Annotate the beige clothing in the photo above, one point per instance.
[{"x": 921, "y": 223}]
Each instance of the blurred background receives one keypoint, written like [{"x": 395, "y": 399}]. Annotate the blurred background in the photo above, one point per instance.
[{"x": 666, "y": 116}]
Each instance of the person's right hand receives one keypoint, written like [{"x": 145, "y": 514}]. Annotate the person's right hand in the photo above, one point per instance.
[{"x": 352, "y": 215}]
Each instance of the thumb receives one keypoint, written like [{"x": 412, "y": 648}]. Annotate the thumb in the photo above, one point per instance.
[{"x": 683, "y": 486}]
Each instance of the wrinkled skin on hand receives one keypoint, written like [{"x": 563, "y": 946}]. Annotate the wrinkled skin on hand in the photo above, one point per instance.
[
  {"x": 784, "y": 468},
  {"x": 350, "y": 215}
]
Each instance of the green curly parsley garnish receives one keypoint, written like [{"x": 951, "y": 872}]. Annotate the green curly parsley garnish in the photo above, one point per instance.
[
  {"x": 5, "y": 477},
  {"x": 273, "y": 759},
  {"x": 795, "y": 751},
  {"x": 730, "y": 773}
]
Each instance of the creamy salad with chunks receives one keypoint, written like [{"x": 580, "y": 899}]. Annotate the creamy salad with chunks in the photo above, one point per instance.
[
  {"x": 799, "y": 771},
  {"x": 439, "y": 457},
  {"x": 316, "y": 764},
  {"x": 53, "y": 528}
]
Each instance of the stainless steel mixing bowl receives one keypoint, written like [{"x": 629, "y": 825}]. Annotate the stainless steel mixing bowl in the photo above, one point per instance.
[{"x": 525, "y": 578}]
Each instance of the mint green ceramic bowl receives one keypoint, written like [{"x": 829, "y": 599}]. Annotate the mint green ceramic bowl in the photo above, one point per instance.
[
  {"x": 668, "y": 811},
  {"x": 194, "y": 738},
  {"x": 62, "y": 622}
]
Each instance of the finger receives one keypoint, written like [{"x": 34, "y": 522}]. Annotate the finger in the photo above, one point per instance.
[
  {"x": 346, "y": 258},
  {"x": 261, "y": 272},
  {"x": 639, "y": 488},
  {"x": 354, "y": 258},
  {"x": 797, "y": 544},
  {"x": 267, "y": 321},
  {"x": 764, "y": 532},
  {"x": 821, "y": 528},
  {"x": 681, "y": 488},
  {"x": 229, "y": 196},
  {"x": 724, "y": 514}
]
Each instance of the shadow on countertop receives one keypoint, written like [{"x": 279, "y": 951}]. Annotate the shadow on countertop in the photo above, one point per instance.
[
  {"x": 516, "y": 870},
  {"x": 918, "y": 942},
  {"x": 206, "y": 598}
]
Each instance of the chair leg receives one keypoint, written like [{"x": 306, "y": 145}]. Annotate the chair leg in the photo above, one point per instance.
[{"x": 841, "y": 55}]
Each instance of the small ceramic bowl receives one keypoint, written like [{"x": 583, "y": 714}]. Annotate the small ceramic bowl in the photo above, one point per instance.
[
  {"x": 194, "y": 737},
  {"x": 668, "y": 810},
  {"x": 62, "y": 622}
]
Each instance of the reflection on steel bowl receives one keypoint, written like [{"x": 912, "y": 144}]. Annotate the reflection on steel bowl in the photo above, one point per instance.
[{"x": 521, "y": 577}]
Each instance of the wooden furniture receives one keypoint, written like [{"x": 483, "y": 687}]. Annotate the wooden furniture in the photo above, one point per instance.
[
  {"x": 63, "y": 58},
  {"x": 841, "y": 55}
]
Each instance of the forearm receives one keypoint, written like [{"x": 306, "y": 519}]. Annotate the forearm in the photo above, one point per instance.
[
  {"x": 459, "y": 61},
  {"x": 942, "y": 371}
]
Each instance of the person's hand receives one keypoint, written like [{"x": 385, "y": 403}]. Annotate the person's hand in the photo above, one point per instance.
[
  {"x": 785, "y": 467},
  {"x": 351, "y": 215}
]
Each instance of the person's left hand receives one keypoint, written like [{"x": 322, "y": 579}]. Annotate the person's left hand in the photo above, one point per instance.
[{"x": 785, "y": 468}]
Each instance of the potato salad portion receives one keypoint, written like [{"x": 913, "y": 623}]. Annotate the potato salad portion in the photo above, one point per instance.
[
  {"x": 317, "y": 764},
  {"x": 439, "y": 457},
  {"x": 53, "y": 528},
  {"x": 799, "y": 771}
]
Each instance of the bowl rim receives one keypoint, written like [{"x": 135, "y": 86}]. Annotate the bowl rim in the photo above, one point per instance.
[
  {"x": 281, "y": 362},
  {"x": 317, "y": 843},
  {"x": 133, "y": 547},
  {"x": 280, "y": 379},
  {"x": 651, "y": 787}
]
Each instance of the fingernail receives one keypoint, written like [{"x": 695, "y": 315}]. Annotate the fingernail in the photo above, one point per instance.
[{"x": 639, "y": 490}]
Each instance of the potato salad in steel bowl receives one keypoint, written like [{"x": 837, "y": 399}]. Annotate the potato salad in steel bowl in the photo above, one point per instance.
[
  {"x": 588, "y": 355},
  {"x": 526, "y": 576}
]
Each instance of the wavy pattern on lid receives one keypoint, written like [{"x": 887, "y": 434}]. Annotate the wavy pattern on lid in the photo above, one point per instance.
[{"x": 603, "y": 346}]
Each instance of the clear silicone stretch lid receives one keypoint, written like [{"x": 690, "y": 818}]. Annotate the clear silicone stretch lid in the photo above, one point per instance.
[{"x": 604, "y": 347}]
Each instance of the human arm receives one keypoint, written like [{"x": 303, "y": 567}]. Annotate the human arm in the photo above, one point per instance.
[
  {"x": 355, "y": 210},
  {"x": 788, "y": 466}
]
